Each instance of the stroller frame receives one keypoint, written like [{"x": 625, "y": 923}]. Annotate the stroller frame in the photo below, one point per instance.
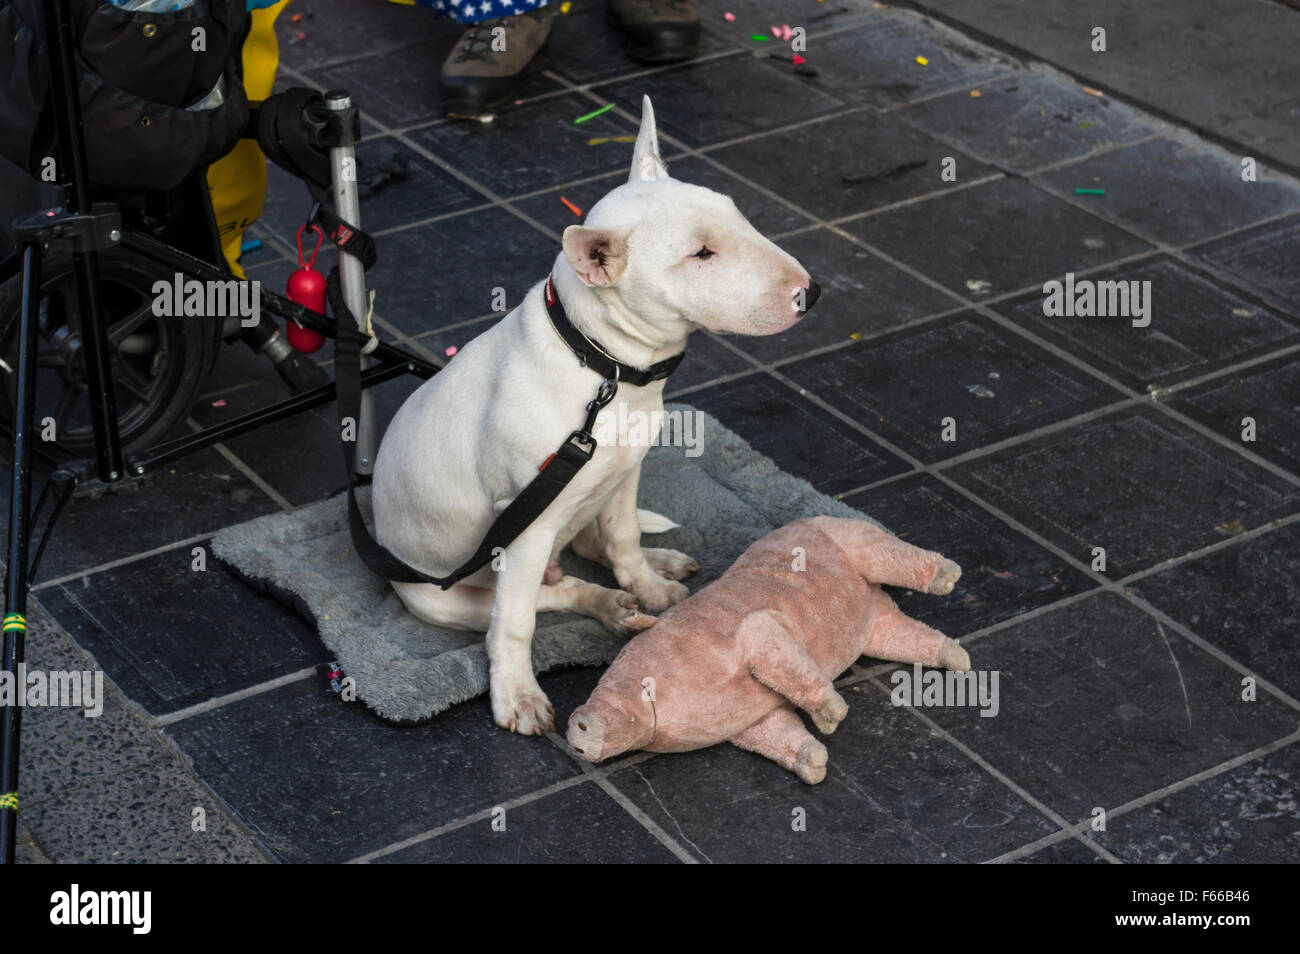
[{"x": 86, "y": 230}]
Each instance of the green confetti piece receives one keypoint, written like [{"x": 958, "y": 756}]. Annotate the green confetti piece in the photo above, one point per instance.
[
  {"x": 758, "y": 37},
  {"x": 1085, "y": 125},
  {"x": 604, "y": 109},
  {"x": 1089, "y": 191}
]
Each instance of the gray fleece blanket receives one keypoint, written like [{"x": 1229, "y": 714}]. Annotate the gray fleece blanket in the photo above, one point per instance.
[{"x": 723, "y": 493}]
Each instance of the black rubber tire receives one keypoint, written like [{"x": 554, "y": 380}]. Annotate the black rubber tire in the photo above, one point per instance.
[{"x": 158, "y": 367}]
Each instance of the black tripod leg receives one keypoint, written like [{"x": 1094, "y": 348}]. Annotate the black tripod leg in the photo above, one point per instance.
[{"x": 20, "y": 488}]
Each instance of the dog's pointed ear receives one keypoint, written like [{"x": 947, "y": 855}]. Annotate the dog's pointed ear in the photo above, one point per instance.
[
  {"x": 597, "y": 255},
  {"x": 646, "y": 164}
]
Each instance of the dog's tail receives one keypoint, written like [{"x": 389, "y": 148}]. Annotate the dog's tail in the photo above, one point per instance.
[{"x": 651, "y": 522}]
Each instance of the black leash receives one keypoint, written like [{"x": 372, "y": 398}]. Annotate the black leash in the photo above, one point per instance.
[{"x": 554, "y": 474}]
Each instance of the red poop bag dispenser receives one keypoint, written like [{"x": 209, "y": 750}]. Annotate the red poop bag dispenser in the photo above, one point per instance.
[{"x": 307, "y": 288}]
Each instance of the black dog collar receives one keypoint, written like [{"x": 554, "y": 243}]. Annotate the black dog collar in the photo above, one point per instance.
[{"x": 593, "y": 356}]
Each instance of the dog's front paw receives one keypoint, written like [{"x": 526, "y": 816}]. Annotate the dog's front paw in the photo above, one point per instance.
[
  {"x": 521, "y": 706},
  {"x": 657, "y": 593}
]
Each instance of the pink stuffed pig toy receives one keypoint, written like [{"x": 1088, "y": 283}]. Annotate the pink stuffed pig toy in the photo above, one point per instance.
[{"x": 734, "y": 661}]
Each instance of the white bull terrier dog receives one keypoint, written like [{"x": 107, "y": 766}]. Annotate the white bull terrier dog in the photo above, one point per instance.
[{"x": 656, "y": 259}]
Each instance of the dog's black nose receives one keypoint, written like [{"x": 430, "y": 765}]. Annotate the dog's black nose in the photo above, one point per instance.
[{"x": 810, "y": 295}]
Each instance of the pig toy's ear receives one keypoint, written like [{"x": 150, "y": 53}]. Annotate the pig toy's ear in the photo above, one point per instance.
[{"x": 646, "y": 164}]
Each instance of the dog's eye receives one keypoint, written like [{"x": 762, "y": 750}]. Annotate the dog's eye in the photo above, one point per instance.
[{"x": 704, "y": 253}]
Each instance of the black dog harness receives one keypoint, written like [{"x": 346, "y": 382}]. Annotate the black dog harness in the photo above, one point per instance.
[{"x": 553, "y": 475}]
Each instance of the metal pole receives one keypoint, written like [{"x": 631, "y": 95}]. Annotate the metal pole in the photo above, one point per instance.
[
  {"x": 352, "y": 276},
  {"x": 20, "y": 484},
  {"x": 74, "y": 175}
]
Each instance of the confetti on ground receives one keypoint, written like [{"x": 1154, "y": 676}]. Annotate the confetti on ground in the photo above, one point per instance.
[
  {"x": 601, "y": 140},
  {"x": 1089, "y": 191},
  {"x": 566, "y": 6},
  {"x": 798, "y": 60},
  {"x": 978, "y": 285},
  {"x": 592, "y": 115},
  {"x": 451, "y": 350},
  {"x": 758, "y": 38},
  {"x": 302, "y": 36},
  {"x": 400, "y": 3},
  {"x": 856, "y": 336},
  {"x": 298, "y": 16},
  {"x": 250, "y": 245},
  {"x": 1085, "y": 125},
  {"x": 731, "y": 17},
  {"x": 221, "y": 403},
  {"x": 923, "y": 61},
  {"x": 1092, "y": 92},
  {"x": 572, "y": 208},
  {"x": 975, "y": 94}
]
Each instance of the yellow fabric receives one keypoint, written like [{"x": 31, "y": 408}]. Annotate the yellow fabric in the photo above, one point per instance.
[{"x": 237, "y": 181}]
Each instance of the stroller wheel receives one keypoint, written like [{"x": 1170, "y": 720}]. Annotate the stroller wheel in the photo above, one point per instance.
[{"x": 158, "y": 364}]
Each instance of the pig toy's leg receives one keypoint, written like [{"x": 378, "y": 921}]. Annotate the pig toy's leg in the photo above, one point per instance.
[
  {"x": 781, "y": 736},
  {"x": 776, "y": 659},
  {"x": 900, "y": 638},
  {"x": 880, "y": 557}
]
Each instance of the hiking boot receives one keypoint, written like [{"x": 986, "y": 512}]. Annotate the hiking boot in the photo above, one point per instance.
[
  {"x": 477, "y": 79},
  {"x": 657, "y": 31}
]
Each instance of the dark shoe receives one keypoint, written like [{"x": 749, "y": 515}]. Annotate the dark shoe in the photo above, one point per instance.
[
  {"x": 658, "y": 31},
  {"x": 476, "y": 79}
]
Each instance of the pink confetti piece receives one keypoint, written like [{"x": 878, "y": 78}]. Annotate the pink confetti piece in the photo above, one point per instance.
[
  {"x": 729, "y": 17},
  {"x": 776, "y": 32},
  {"x": 451, "y": 351},
  {"x": 221, "y": 403}
]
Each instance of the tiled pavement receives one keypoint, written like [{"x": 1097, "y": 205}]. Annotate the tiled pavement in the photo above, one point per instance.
[{"x": 1122, "y": 684}]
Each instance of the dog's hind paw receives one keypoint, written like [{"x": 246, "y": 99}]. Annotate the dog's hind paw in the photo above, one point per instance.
[
  {"x": 670, "y": 564},
  {"x": 622, "y": 614},
  {"x": 656, "y": 594}
]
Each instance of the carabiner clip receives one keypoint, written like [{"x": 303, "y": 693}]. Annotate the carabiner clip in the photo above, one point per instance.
[{"x": 605, "y": 394}]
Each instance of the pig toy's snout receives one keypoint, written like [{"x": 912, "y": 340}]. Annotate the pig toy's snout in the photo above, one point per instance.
[
  {"x": 586, "y": 735},
  {"x": 805, "y": 298}
]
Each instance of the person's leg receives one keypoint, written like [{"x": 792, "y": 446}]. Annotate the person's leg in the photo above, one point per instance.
[
  {"x": 658, "y": 31},
  {"x": 482, "y": 73},
  {"x": 237, "y": 181},
  {"x": 237, "y": 187}
]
